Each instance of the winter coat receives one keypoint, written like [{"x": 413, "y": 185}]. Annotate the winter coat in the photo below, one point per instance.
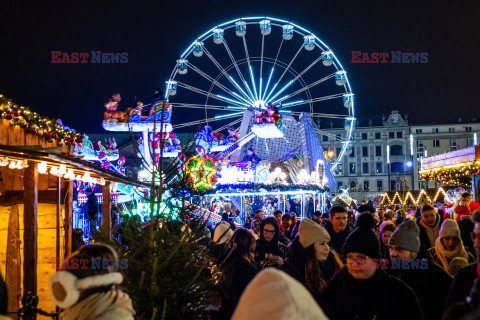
[
  {"x": 469, "y": 309},
  {"x": 337, "y": 238},
  {"x": 108, "y": 305},
  {"x": 380, "y": 297},
  {"x": 92, "y": 207},
  {"x": 431, "y": 286},
  {"x": 274, "y": 247},
  {"x": 461, "y": 285},
  {"x": 424, "y": 233},
  {"x": 237, "y": 273},
  {"x": 461, "y": 211}
]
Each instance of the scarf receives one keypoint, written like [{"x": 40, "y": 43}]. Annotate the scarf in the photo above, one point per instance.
[
  {"x": 443, "y": 253},
  {"x": 432, "y": 233},
  {"x": 110, "y": 305}
]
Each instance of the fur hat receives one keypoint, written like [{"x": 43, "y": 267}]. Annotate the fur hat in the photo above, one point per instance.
[
  {"x": 310, "y": 232},
  {"x": 290, "y": 301},
  {"x": 406, "y": 236}
]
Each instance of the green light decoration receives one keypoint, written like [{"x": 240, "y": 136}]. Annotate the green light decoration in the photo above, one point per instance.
[{"x": 201, "y": 173}]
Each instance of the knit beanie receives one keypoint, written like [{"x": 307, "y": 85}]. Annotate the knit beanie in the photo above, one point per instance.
[
  {"x": 366, "y": 209},
  {"x": 407, "y": 236},
  {"x": 310, "y": 232},
  {"x": 449, "y": 228},
  {"x": 363, "y": 238},
  {"x": 456, "y": 264},
  {"x": 290, "y": 301},
  {"x": 222, "y": 233}
]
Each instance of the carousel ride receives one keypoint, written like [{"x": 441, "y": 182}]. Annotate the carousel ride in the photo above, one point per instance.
[{"x": 258, "y": 87}]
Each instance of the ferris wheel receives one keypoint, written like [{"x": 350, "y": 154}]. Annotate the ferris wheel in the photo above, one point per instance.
[{"x": 257, "y": 61}]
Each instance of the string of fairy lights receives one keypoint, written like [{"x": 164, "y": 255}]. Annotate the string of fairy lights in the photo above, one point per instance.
[
  {"x": 421, "y": 195},
  {"x": 33, "y": 123},
  {"x": 59, "y": 170},
  {"x": 459, "y": 174}
]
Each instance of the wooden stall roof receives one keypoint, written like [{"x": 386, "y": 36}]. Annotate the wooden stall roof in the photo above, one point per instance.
[
  {"x": 53, "y": 156},
  {"x": 469, "y": 154},
  {"x": 431, "y": 195}
]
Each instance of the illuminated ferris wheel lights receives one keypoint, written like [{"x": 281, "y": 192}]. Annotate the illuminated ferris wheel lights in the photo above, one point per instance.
[
  {"x": 283, "y": 89},
  {"x": 231, "y": 100},
  {"x": 228, "y": 115},
  {"x": 348, "y": 100},
  {"x": 287, "y": 32},
  {"x": 292, "y": 103},
  {"x": 327, "y": 58},
  {"x": 253, "y": 83}
]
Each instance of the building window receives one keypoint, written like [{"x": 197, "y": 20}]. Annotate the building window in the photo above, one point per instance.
[
  {"x": 352, "y": 154},
  {"x": 393, "y": 185},
  {"x": 339, "y": 137},
  {"x": 436, "y": 143},
  {"x": 453, "y": 144},
  {"x": 353, "y": 186},
  {"x": 391, "y": 135},
  {"x": 396, "y": 150},
  {"x": 399, "y": 135},
  {"x": 339, "y": 185},
  {"x": 366, "y": 186},
  {"x": 378, "y": 151},
  {"x": 352, "y": 168},
  {"x": 451, "y": 129},
  {"x": 379, "y": 185},
  {"x": 419, "y": 145},
  {"x": 325, "y": 138},
  {"x": 470, "y": 142},
  {"x": 418, "y": 130},
  {"x": 379, "y": 168},
  {"x": 364, "y": 136},
  {"x": 468, "y": 129},
  {"x": 365, "y": 167},
  {"x": 434, "y": 130},
  {"x": 377, "y": 135},
  {"x": 396, "y": 167},
  {"x": 338, "y": 151},
  {"x": 365, "y": 151}
]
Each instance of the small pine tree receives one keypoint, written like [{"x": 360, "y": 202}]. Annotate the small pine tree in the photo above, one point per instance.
[{"x": 168, "y": 273}]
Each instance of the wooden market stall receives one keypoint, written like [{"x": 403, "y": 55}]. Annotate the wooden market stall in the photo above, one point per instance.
[{"x": 36, "y": 195}]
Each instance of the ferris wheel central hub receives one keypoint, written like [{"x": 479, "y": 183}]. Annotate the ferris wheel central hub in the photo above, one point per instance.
[{"x": 259, "y": 104}]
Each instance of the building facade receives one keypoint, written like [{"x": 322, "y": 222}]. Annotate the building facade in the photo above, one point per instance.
[{"x": 387, "y": 156}]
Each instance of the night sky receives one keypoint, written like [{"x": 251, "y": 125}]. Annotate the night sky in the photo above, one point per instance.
[{"x": 154, "y": 33}]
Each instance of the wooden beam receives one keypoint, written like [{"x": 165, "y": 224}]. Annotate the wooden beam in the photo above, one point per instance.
[
  {"x": 68, "y": 218},
  {"x": 12, "y": 197},
  {"x": 30, "y": 226},
  {"x": 13, "y": 267},
  {"x": 107, "y": 217},
  {"x": 58, "y": 217}
]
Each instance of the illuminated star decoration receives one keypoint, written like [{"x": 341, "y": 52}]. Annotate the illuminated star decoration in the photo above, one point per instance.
[{"x": 201, "y": 173}]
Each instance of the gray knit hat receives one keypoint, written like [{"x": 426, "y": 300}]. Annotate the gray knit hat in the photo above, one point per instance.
[
  {"x": 310, "y": 232},
  {"x": 407, "y": 236}
]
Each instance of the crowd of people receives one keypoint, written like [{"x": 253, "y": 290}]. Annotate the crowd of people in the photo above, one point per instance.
[{"x": 365, "y": 263}]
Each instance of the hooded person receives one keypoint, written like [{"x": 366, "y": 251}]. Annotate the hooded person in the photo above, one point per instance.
[
  {"x": 362, "y": 290},
  {"x": 429, "y": 223},
  {"x": 429, "y": 281},
  {"x": 449, "y": 245},
  {"x": 269, "y": 250},
  {"x": 91, "y": 292},
  {"x": 309, "y": 258},
  {"x": 290, "y": 300}
]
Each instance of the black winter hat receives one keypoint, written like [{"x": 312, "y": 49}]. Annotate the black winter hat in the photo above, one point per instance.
[
  {"x": 366, "y": 209},
  {"x": 363, "y": 239}
]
